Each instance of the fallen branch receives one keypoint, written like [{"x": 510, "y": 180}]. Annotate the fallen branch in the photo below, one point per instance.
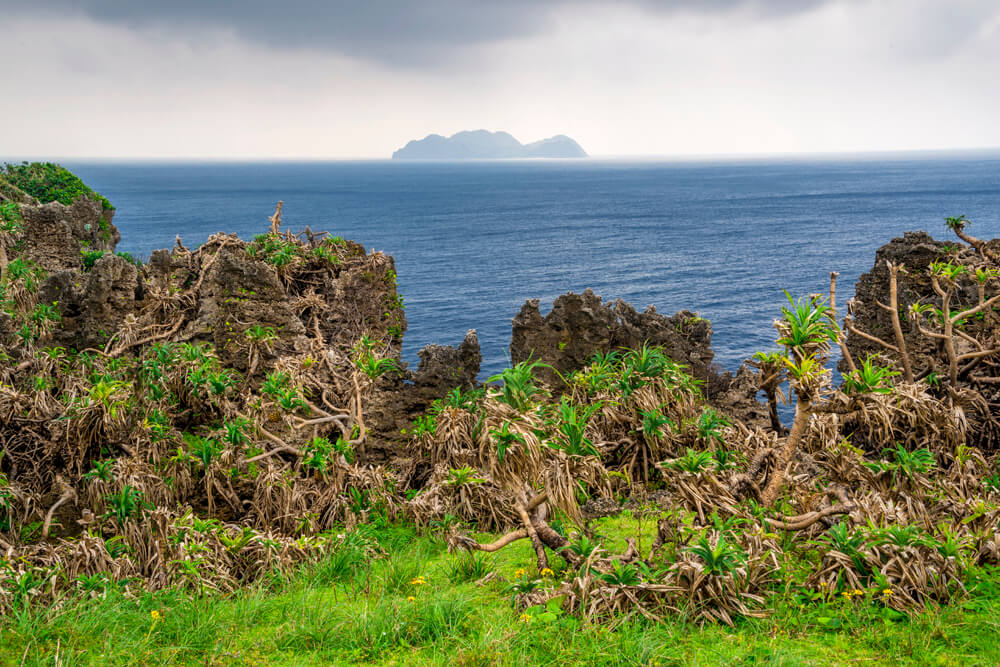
[
  {"x": 68, "y": 494},
  {"x": 282, "y": 446},
  {"x": 149, "y": 339},
  {"x": 809, "y": 518},
  {"x": 285, "y": 448},
  {"x": 470, "y": 544}
]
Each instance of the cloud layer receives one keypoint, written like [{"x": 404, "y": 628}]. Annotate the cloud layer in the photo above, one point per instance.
[
  {"x": 399, "y": 32},
  {"x": 337, "y": 79}
]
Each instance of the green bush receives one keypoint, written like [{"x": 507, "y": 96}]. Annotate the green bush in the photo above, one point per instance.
[{"x": 48, "y": 182}]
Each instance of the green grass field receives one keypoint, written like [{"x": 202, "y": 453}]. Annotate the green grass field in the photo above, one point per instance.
[{"x": 351, "y": 609}]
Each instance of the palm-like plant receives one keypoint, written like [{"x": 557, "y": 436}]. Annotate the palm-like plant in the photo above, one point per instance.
[
  {"x": 905, "y": 464},
  {"x": 204, "y": 450},
  {"x": 692, "y": 461},
  {"x": 462, "y": 476},
  {"x": 261, "y": 335},
  {"x": 519, "y": 388},
  {"x": 806, "y": 331},
  {"x": 807, "y": 327},
  {"x": 621, "y": 575},
  {"x": 505, "y": 439},
  {"x": 573, "y": 426},
  {"x": 600, "y": 373},
  {"x": 850, "y": 543},
  {"x": 318, "y": 454},
  {"x": 648, "y": 361},
  {"x": 371, "y": 365},
  {"x": 102, "y": 470},
  {"x": 947, "y": 270},
  {"x": 235, "y": 432},
  {"x": 128, "y": 503},
  {"x": 709, "y": 425},
  {"x": 582, "y": 547},
  {"x": 772, "y": 375},
  {"x": 653, "y": 423},
  {"x": 275, "y": 383},
  {"x": 720, "y": 558},
  {"x": 869, "y": 378},
  {"x": 902, "y": 536}
]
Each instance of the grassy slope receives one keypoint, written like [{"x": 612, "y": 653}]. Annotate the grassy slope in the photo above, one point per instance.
[{"x": 343, "y": 612}]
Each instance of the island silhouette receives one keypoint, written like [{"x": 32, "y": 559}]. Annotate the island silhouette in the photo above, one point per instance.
[{"x": 485, "y": 145}]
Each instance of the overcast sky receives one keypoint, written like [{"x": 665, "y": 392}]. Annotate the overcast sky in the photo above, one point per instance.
[{"x": 335, "y": 79}]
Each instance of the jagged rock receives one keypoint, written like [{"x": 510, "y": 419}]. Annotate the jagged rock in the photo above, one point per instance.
[
  {"x": 363, "y": 296},
  {"x": 398, "y": 403},
  {"x": 581, "y": 324},
  {"x": 737, "y": 397},
  {"x": 916, "y": 251},
  {"x": 93, "y": 304},
  {"x": 445, "y": 367},
  {"x": 55, "y": 234},
  {"x": 240, "y": 292}
]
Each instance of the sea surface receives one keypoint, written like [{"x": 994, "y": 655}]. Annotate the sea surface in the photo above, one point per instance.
[{"x": 474, "y": 240}]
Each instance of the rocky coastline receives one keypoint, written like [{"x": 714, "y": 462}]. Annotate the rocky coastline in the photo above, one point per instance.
[{"x": 259, "y": 384}]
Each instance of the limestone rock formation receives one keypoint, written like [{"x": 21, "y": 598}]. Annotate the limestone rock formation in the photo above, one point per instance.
[
  {"x": 403, "y": 399},
  {"x": 54, "y": 234},
  {"x": 581, "y": 324}
]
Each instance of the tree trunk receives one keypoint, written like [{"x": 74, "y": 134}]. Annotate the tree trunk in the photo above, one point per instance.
[{"x": 803, "y": 410}]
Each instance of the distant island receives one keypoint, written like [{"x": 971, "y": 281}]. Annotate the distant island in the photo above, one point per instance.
[{"x": 485, "y": 145}]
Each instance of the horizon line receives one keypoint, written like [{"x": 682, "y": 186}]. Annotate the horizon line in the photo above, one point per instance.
[{"x": 643, "y": 157}]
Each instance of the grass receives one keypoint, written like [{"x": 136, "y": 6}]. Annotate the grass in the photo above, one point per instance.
[{"x": 353, "y": 609}]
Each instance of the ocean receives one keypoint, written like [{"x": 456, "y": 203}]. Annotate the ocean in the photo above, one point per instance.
[{"x": 474, "y": 240}]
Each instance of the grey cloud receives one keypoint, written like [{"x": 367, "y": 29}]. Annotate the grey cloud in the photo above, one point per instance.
[{"x": 397, "y": 32}]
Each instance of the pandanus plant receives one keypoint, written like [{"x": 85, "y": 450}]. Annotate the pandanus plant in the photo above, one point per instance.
[
  {"x": 540, "y": 455},
  {"x": 805, "y": 331}
]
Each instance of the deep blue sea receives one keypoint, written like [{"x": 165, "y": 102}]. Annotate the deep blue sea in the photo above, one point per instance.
[{"x": 474, "y": 240}]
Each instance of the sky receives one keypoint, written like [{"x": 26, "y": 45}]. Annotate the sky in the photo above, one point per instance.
[{"x": 331, "y": 79}]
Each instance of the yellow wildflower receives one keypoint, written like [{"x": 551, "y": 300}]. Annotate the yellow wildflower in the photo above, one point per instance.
[
  {"x": 519, "y": 572},
  {"x": 410, "y": 598},
  {"x": 525, "y": 618},
  {"x": 418, "y": 581},
  {"x": 847, "y": 594},
  {"x": 857, "y": 592},
  {"x": 546, "y": 572},
  {"x": 886, "y": 592},
  {"x": 822, "y": 584},
  {"x": 156, "y": 615}
]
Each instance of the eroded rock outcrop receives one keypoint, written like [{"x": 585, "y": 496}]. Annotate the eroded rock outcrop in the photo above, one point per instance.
[
  {"x": 94, "y": 304},
  {"x": 54, "y": 234},
  {"x": 581, "y": 324},
  {"x": 402, "y": 399},
  {"x": 977, "y": 337}
]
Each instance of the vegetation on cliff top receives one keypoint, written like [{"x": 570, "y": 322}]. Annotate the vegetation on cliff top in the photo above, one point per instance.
[{"x": 48, "y": 182}]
